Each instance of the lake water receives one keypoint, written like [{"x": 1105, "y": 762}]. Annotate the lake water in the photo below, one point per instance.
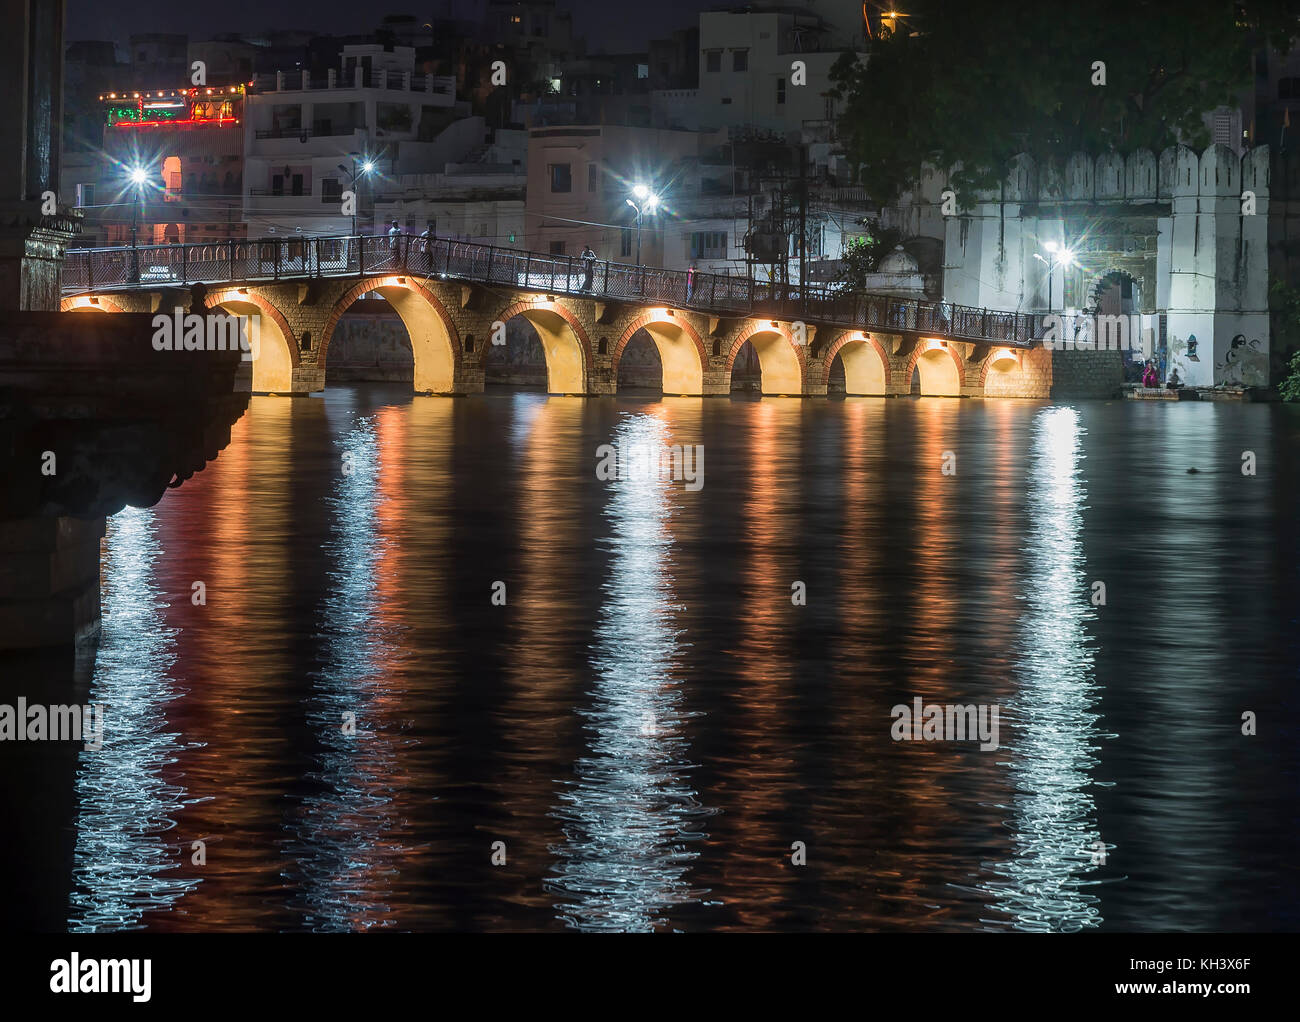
[{"x": 656, "y": 721}]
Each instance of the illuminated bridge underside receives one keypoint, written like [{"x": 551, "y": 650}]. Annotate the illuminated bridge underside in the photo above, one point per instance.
[
  {"x": 451, "y": 326},
  {"x": 804, "y": 342}
]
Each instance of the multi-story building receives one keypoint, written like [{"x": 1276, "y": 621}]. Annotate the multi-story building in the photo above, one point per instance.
[
  {"x": 369, "y": 121},
  {"x": 768, "y": 65},
  {"x": 479, "y": 200},
  {"x": 169, "y": 169},
  {"x": 580, "y": 178}
]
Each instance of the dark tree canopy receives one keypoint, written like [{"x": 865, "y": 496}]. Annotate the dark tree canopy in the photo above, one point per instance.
[{"x": 969, "y": 85}]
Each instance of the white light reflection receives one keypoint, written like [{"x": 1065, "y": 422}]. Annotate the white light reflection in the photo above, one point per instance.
[
  {"x": 122, "y": 866},
  {"x": 344, "y": 854},
  {"x": 630, "y": 817},
  {"x": 1044, "y": 886}
]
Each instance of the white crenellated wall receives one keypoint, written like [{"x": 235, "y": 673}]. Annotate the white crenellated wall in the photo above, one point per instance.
[{"x": 1174, "y": 223}]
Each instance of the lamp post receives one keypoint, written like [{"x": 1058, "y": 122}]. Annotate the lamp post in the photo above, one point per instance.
[
  {"x": 138, "y": 177},
  {"x": 1057, "y": 255},
  {"x": 367, "y": 168},
  {"x": 646, "y": 202}
]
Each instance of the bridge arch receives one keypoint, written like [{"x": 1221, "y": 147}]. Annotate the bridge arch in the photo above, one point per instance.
[
  {"x": 564, "y": 343},
  {"x": 435, "y": 342},
  {"x": 89, "y": 303},
  {"x": 939, "y": 367},
  {"x": 1003, "y": 373},
  {"x": 681, "y": 351},
  {"x": 780, "y": 360},
  {"x": 866, "y": 365},
  {"x": 276, "y": 354}
]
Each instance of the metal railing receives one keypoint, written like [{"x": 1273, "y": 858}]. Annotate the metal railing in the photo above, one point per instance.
[{"x": 273, "y": 259}]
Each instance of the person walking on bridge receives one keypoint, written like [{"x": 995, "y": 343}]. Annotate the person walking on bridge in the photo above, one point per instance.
[{"x": 588, "y": 267}]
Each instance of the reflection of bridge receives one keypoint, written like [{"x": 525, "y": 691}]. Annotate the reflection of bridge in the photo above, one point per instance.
[{"x": 453, "y": 296}]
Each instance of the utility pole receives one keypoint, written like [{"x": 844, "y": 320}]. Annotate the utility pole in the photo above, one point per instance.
[{"x": 803, "y": 221}]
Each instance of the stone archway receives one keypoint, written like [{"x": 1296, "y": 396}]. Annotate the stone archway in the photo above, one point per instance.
[
  {"x": 275, "y": 353},
  {"x": 939, "y": 367},
  {"x": 564, "y": 343},
  {"x": 681, "y": 352},
  {"x": 435, "y": 342},
  {"x": 781, "y": 361},
  {"x": 866, "y": 365}
]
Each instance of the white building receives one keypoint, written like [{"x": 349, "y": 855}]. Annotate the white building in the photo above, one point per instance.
[
  {"x": 307, "y": 141},
  {"x": 479, "y": 200},
  {"x": 1169, "y": 239},
  {"x": 768, "y": 65}
]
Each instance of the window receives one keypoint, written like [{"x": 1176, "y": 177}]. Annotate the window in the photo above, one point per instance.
[
  {"x": 712, "y": 60},
  {"x": 561, "y": 179},
  {"x": 557, "y": 247},
  {"x": 709, "y": 245},
  {"x": 85, "y": 195},
  {"x": 331, "y": 190},
  {"x": 740, "y": 60},
  {"x": 593, "y": 176},
  {"x": 625, "y": 243},
  {"x": 780, "y": 91}
]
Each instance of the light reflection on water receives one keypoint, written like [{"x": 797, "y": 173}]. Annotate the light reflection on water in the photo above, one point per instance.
[
  {"x": 1044, "y": 886},
  {"x": 649, "y": 723},
  {"x": 125, "y": 864},
  {"x": 343, "y": 849},
  {"x": 631, "y": 818}
]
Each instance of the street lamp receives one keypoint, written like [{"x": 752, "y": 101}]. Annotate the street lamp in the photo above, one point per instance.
[
  {"x": 138, "y": 177},
  {"x": 647, "y": 202},
  {"x": 1057, "y": 255},
  {"x": 365, "y": 170}
]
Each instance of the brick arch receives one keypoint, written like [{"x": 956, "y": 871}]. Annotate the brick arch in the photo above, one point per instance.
[
  {"x": 213, "y": 299},
  {"x": 739, "y": 342},
  {"x": 528, "y": 304},
  {"x": 650, "y": 317},
  {"x": 846, "y": 337},
  {"x": 74, "y": 304},
  {"x": 1019, "y": 357},
  {"x": 919, "y": 351},
  {"x": 349, "y": 296}
]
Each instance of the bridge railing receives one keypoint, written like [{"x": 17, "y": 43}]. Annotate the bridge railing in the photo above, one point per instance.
[{"x": 272, "y": 259}]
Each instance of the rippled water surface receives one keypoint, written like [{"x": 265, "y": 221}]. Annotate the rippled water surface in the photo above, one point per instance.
[{"x": 651, "y": 726}]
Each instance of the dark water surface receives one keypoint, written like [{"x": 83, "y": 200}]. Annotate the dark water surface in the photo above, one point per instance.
[{"x": 650, "y": 723}]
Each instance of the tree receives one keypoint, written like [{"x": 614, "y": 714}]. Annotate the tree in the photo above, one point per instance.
[
  {"x": 862, "y": 256},
  {"x": 1284, "y": 336},
  {"x": 968, "y": 86}
]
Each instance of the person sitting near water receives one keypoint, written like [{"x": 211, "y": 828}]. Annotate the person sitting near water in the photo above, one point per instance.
[{"x": 1149, "y": 376}]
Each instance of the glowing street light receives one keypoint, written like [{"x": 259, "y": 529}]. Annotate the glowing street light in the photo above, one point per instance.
[
  {"x": 138, "y": 177},
  {"x": 1058, "y": 255},
  {"x": 647, "y": 202},
  {"x": 365, "y": 169}
]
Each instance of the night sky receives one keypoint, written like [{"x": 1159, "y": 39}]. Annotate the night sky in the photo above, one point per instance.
[{"x": 609, "y": 26}]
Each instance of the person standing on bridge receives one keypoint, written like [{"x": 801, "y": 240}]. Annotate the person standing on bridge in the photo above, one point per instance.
[
  {"x": 394, "y": 240},
  {"x": 690, "y": 281},
  {"x": 588, "y": 267}
]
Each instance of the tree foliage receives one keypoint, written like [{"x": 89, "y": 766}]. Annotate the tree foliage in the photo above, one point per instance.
[
  {"x": 862, "y": 257},
  {"x": 969, "y": 85}
]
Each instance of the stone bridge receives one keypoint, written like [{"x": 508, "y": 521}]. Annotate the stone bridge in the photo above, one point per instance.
[{"x": 451, "y": 321}]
